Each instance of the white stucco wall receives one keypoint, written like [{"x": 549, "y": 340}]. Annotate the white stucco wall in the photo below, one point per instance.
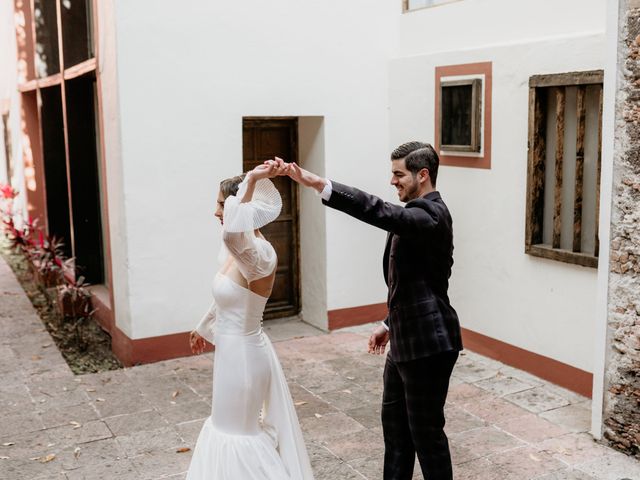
[
  {"x": 187, "y": 75},
  {"x": 471, "y": 24},
  {"x": 313, "y": 223},
  {"x": 107, "y": 44},
  {"x": 7, "y": 73},
  {"x": 10, "y": 98},
  {"x": 540, "y": 305}
]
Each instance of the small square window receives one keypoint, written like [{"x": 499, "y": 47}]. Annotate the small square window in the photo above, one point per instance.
[
  {"x": 460, "y": 115},
  {"x": 462, "y": 121}
]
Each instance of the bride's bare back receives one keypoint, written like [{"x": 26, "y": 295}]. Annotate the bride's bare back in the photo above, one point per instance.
[{"x": 262, "y": 286}]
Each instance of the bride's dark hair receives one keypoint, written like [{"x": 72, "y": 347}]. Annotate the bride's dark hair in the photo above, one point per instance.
[{"x": 230, "y": 186}]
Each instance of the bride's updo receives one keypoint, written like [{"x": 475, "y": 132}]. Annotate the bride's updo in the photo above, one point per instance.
[{"x": 230, "y": 186}]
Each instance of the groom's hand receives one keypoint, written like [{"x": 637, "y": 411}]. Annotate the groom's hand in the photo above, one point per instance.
[
  {"x": 306, "y": 178},
  {"x": 297, "y": 174},
  {"x": 378, "y": 340}
]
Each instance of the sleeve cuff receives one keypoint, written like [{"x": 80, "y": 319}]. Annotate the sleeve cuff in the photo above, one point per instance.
[{"x": 326, "y": 191}]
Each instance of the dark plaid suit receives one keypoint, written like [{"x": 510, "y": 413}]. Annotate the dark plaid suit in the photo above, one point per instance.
[{"x": 423, "y": 327}]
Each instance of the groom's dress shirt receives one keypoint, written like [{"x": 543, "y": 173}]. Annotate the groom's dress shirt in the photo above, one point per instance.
[
  {"x": 417, "y": 265},
  {"x": 325, "y": 194}
]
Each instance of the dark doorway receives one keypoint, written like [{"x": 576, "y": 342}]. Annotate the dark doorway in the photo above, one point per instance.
[{"x": 265, "y": 138}]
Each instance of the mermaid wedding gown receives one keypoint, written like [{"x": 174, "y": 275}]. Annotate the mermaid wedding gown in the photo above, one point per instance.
[{"x": 253, "y": 431}]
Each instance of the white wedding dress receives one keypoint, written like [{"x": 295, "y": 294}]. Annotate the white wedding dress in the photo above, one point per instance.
[{"x": 253, "y": 431}]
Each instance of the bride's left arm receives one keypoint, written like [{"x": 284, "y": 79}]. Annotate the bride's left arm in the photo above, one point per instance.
[{"x": 247, "y": 212}]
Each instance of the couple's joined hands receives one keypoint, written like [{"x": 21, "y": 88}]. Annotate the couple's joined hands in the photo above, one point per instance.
[{"x": 269, "y": 169}]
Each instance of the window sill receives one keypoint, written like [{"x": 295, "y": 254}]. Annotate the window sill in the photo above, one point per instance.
[
  {"x": 101, "y": 293},
  {"x": 560, "y": 255}
]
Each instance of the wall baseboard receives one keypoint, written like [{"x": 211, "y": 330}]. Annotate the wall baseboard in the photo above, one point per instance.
[{"x": 556, "y": 372}]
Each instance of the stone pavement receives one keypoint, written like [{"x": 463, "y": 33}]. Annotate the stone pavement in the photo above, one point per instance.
[{"x": 138, "y": 423}]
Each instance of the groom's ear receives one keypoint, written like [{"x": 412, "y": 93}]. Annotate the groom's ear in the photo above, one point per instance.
[{"x": 423, "y": 175}]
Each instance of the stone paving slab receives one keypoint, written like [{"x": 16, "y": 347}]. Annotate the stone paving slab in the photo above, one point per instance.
[{"x": 140, "y": 423}]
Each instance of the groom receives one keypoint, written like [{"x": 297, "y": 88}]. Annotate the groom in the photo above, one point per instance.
[{"x": 422, "y": 326}]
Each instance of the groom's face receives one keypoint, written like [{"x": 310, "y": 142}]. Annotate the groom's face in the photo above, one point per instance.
[{"x": 407, "y": 184}]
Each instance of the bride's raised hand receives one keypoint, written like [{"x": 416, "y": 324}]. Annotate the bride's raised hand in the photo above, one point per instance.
[
  {"x": 281, "y": 167},
  {"x": 269, "y": 169}
]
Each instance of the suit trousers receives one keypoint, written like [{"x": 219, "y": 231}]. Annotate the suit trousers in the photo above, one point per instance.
[{"x": 413, "y": 417}]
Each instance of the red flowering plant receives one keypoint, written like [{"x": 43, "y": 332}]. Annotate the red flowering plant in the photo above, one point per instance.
[
  {"x": 48, "y": 260},
  {"x": 74, "y": 304},
  {"x": 8, "y": 192},
  {"x": 74, "y": 298},
  {"x": 20, "y": 238}
]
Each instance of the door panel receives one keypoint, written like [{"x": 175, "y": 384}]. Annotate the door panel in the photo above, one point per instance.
[{"x": 264, "y": 139}]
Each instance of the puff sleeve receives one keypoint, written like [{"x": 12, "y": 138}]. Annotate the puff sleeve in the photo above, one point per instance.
[{"x": 254, "y": 256}]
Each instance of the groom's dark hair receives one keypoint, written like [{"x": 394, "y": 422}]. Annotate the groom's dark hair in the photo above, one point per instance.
[{"x": 418, "y": 155}]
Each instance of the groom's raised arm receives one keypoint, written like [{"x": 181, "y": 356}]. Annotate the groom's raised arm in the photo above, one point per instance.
[{"x": 419, "y": 215}]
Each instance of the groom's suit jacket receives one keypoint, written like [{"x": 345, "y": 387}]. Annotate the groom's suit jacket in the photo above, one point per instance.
[{"x": 417, "y": 265}]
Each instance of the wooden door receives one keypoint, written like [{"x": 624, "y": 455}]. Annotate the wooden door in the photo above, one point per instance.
[{"x": 264, "y": 139}]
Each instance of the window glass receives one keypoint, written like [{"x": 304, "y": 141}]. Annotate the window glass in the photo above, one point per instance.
[
  {"x": 85, "y": 178},
  {"x": 76, "y": 31},
  {"x": 457, "y": 114},
  {"x": 47, "y": 56},
  {"x": 460, "y": 110}
]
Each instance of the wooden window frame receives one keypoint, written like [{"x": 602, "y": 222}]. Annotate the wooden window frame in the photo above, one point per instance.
[
  {"x": 6, "y": 134},
  {"x": 30, "y": 81},
  {"x": 406, "y": 9},
  {"x": 476, "y": 112},
  {"x": 481, "y": 159},
  {"x": 30, "y": 85},
  {"x": 537, "y": 161}
]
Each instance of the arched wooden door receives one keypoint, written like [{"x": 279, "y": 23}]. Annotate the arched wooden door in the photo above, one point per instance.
[{"x": 263, "y": 139}]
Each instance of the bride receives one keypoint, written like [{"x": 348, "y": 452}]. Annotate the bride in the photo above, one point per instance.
[{"x": 253, "y": 431}]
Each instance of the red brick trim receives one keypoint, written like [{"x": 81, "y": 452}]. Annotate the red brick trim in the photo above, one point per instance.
[
  {"x": 559, "y": 373},
  {"x": 152, "y": 349},
  {"x": 566, "y": 376},
  {"x": 349, "y": 317},
  {"x": 483, "y": 68},
  {"x": 137, "y": 351}
]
